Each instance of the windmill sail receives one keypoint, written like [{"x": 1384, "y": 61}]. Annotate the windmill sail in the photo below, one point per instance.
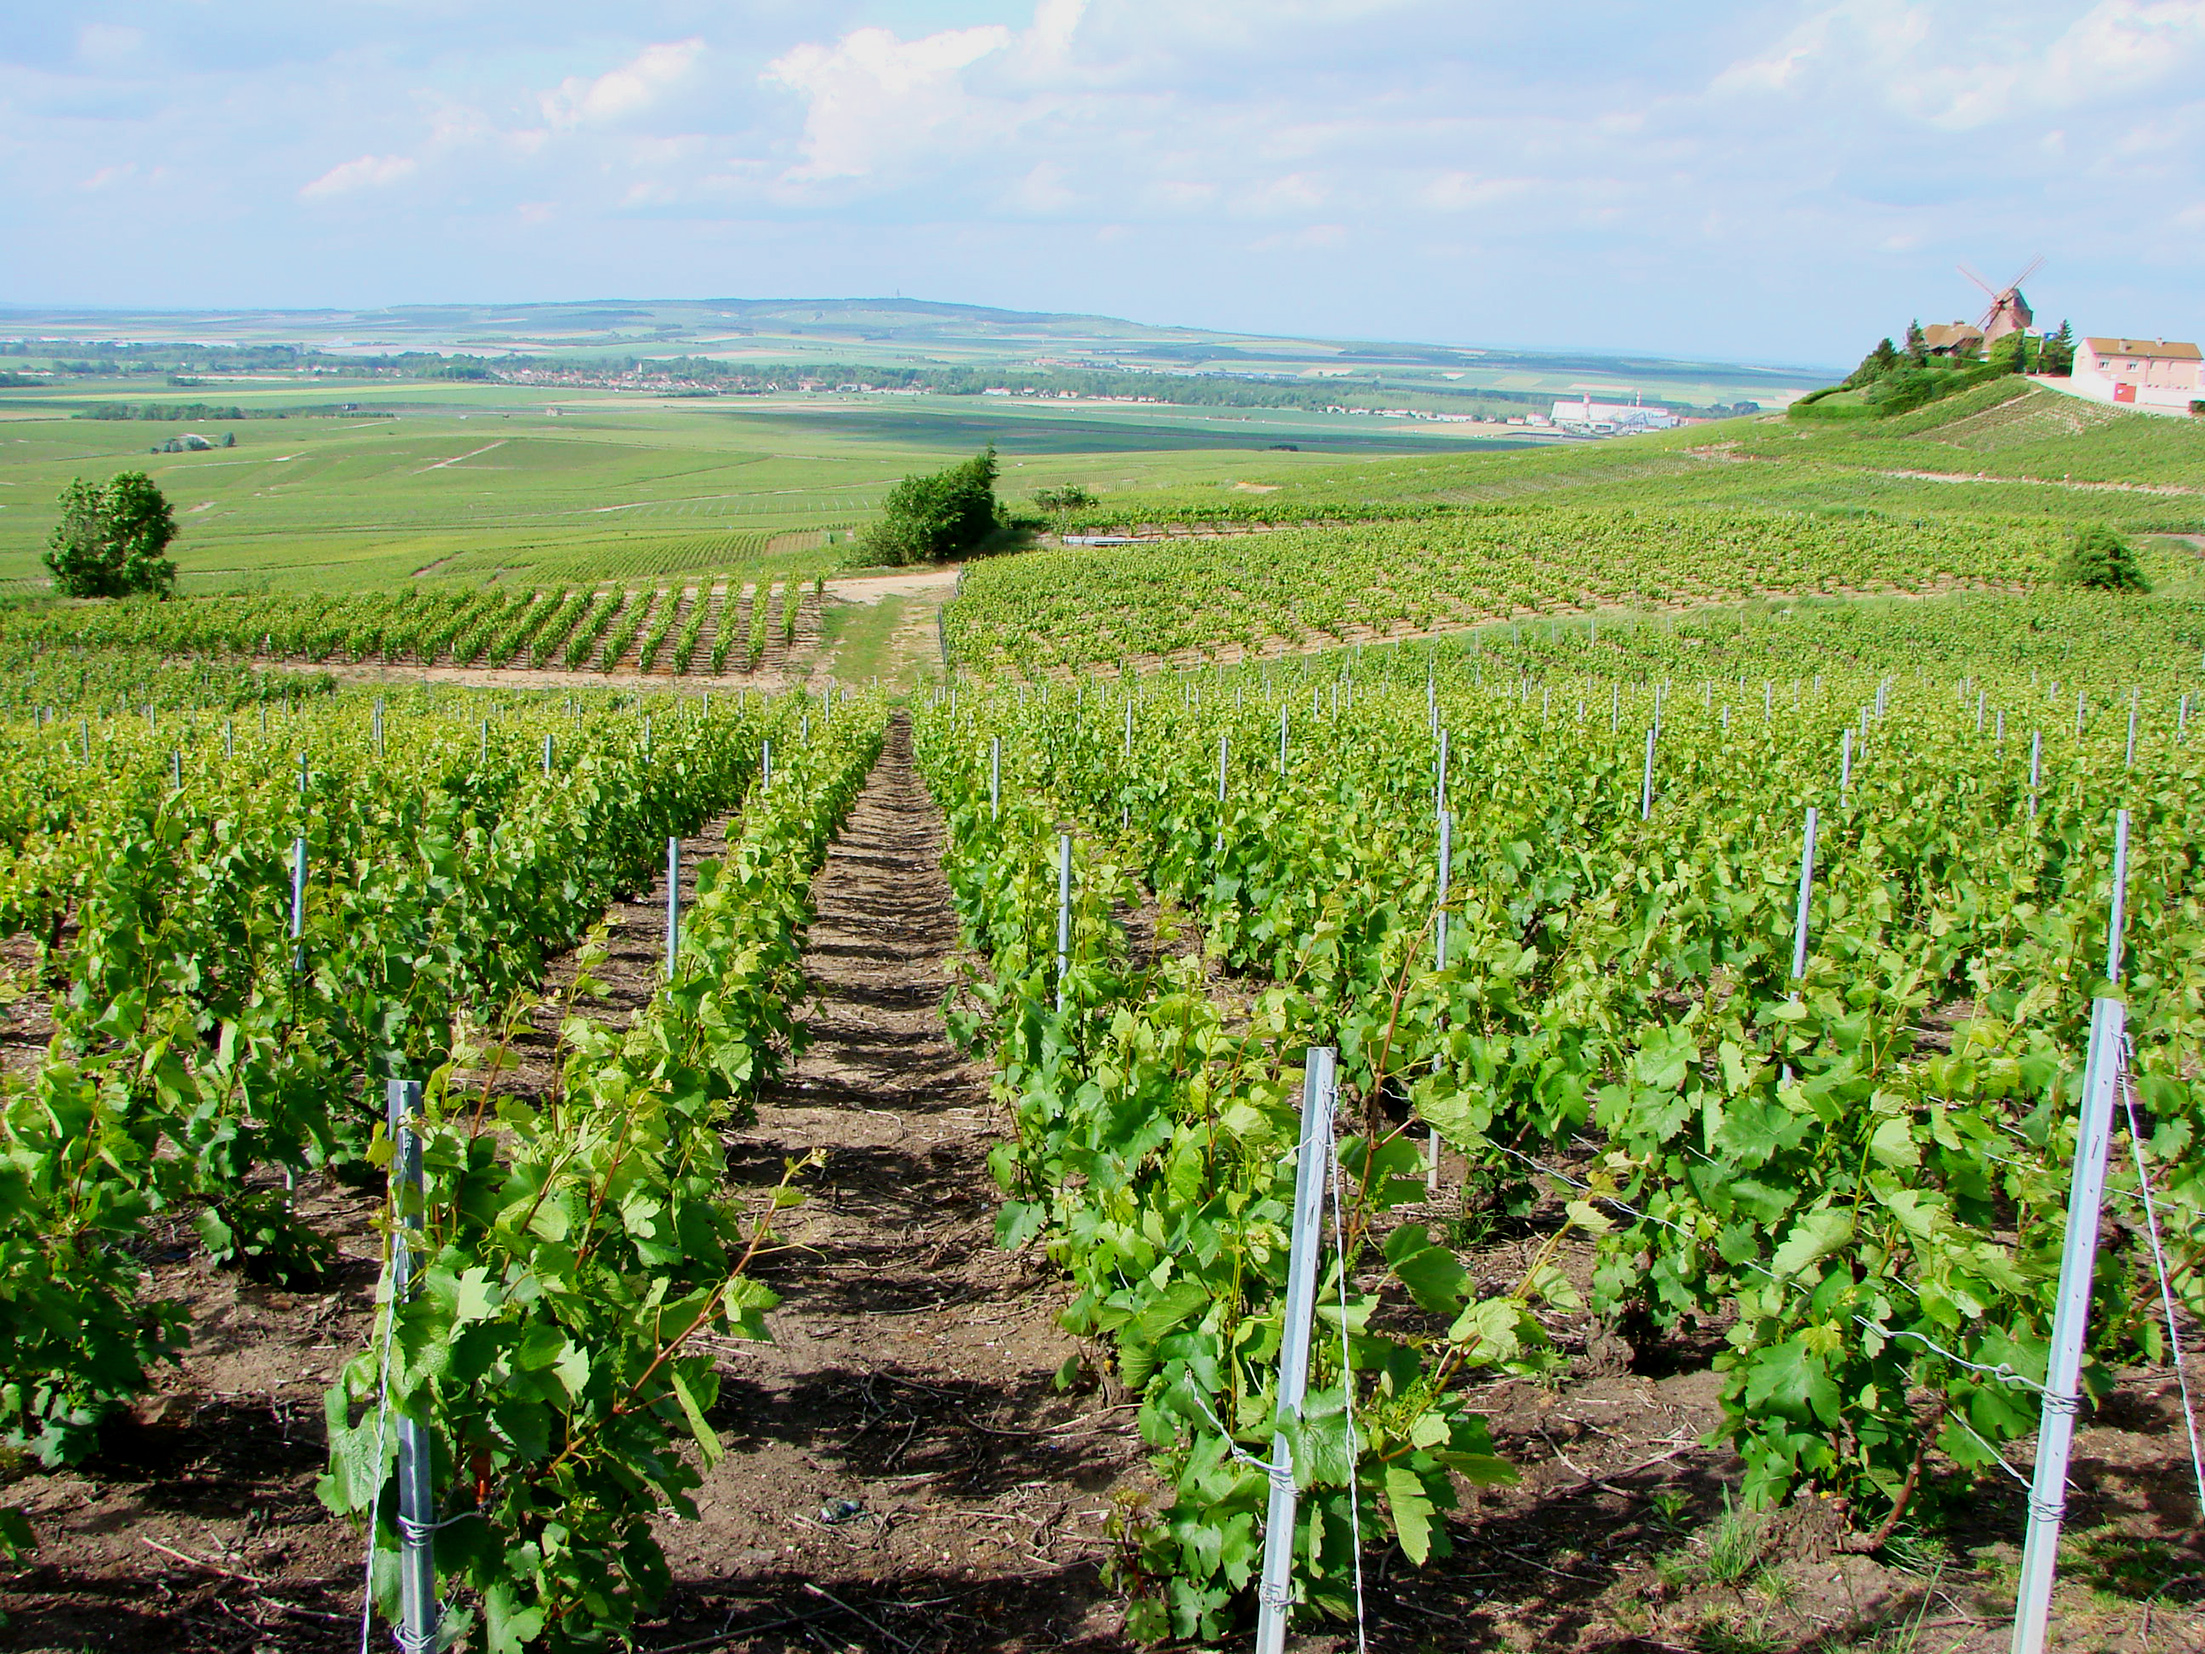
[{"x": 2009, "y": 312}]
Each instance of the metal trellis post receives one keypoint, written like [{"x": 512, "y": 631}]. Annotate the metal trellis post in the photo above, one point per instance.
[
  {"x": 1275, "y": 1595},
  {"x": 673, "y": 904},
  {"x": 1064, "y": 913},
  {"x": 298, "y": 904},
  {"x": 418, "y": 1615},
  {"x": 2078, "y": 1260}
]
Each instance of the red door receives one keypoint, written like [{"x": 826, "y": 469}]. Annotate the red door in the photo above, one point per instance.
[{"x": 2124, "y": 393}]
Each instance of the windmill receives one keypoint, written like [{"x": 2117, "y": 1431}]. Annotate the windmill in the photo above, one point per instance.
[{"x": 2009, "y": 311}]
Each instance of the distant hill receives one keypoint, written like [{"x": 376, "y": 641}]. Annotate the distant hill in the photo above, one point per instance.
[{"x": 899, "y": 331}]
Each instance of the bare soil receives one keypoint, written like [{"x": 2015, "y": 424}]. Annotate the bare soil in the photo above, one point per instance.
[{"x": 900, "y": 1445}]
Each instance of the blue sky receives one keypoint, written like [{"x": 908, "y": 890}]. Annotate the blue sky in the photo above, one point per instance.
[{"x": 1743, "y": 181}]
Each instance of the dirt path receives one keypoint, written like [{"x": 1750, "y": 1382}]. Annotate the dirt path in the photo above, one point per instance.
[{"x": 900, "y": 1445}]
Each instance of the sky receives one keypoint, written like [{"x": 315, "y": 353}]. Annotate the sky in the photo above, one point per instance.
[{"x": 1737, "y": 181}]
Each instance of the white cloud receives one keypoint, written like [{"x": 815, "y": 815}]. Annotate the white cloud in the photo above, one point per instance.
[
  {"x": 874, "y": 97},
  {"x": 108, "y": 43},
  {"x": 1463, "y": 191},
  {"x": 1961, "y": 67},
  {"x": 633, "y": 87},
  {"x": 1294, "y": 194},
  {"x": 1049, "y": 40},
  {"x": 1576, "y": 172},
  {"x": 1305, "y": 239},
  {"x": 1043, "y": 190},
  {"x": 368, "y": 172}
]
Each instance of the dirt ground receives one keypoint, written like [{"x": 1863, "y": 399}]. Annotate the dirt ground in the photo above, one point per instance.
[{"x": 903, "y": 1475}]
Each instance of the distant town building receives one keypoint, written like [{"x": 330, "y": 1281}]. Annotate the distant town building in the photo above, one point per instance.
[
  {"x": 2151, "y": 373},
  {"x": 1589, "y": 418}
]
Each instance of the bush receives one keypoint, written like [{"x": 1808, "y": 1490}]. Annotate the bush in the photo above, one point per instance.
[
  {"x": 932, "y": 519},
  {"x": 2102, "y": 561},
  {"x": 1071, "y": 497},
  {"x": 111, "y": 537}
]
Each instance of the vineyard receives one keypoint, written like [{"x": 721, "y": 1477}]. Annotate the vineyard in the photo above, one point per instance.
[
  {"x": 1828, "y": 1109},
  {"x": 1302, "y": 1004},
  {"x": 730, "y": 624},
  {"x": 250, "y": 928},
  {"x": 1127, "y": 606}
]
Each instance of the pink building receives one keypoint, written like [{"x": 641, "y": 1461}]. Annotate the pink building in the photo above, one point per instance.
[{"x": 2151, "y": 373}]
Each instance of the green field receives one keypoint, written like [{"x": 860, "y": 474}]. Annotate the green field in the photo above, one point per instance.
[{"x": 482, "y": 483}]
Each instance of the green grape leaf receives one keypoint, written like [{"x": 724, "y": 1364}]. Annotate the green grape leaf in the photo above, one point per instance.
[
  {"x": 1412, "y": 1510},
  {"x": 1814, "y": 1237}
]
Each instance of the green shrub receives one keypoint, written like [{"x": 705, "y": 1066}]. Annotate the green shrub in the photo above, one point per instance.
[
  {"x": 934, "y": 518},
  {"x": 2102, "y": 561},
  {"x": 1071, "y": 497}
]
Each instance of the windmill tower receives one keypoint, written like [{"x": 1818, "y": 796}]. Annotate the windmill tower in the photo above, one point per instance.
[{"x": 2009, "y": 311}]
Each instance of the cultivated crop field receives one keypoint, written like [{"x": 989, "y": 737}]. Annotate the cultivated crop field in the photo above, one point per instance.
[
  {"x": 1550, "y": 914},
  {"x": 467, "y": 484},
  {"x": 1125, "y": 605},
  {"x": 709, "y": 629},
  {"x": 676, "y": 1150}
]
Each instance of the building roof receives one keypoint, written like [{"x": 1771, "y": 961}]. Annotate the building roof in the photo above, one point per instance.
[
  {"x": 1945, "y": 335},
  {"x": 2164, "y": 349}
]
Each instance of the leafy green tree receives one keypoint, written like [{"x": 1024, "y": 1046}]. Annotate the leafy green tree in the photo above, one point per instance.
[
  {"x": 112, "y": 538},
  {"x": 2010, "y": 353},
  {"x": 1917, "y": 347},
  {"x": 933, "y": 518},
  {"x": 2102, "y": 561},
  {"x": 2059, "y": 351},
  {"x": 1873, "y": 366},
  {"x": 1071, "y": 497}
]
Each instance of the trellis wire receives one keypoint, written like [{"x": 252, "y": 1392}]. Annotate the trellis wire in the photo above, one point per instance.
[{"x": 2159, "y": 1264}]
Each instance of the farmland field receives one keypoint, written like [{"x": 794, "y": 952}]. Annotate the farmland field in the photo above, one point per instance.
[
  {"x": 471, "y": 485},
  {"x": 858, "y": 1136}
]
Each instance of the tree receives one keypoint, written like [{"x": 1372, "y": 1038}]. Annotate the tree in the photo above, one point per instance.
[
  {"x": 1071, "y": 497},
  {"x": 1917, "y": 347},
  {"x": 1873, "y": 366},
  {"x": 111, "y": 538},
  {"x": 2059, "y": 352},
  {"x": 930, "y": 519},
  {"x": 2102, "y": 561},
  {"x": 2009, "y": 352}
]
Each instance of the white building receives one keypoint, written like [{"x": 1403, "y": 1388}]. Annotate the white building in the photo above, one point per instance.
[
  {"x": 1587, "y": 417},
  {"x": 2149, "y": 373}
]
